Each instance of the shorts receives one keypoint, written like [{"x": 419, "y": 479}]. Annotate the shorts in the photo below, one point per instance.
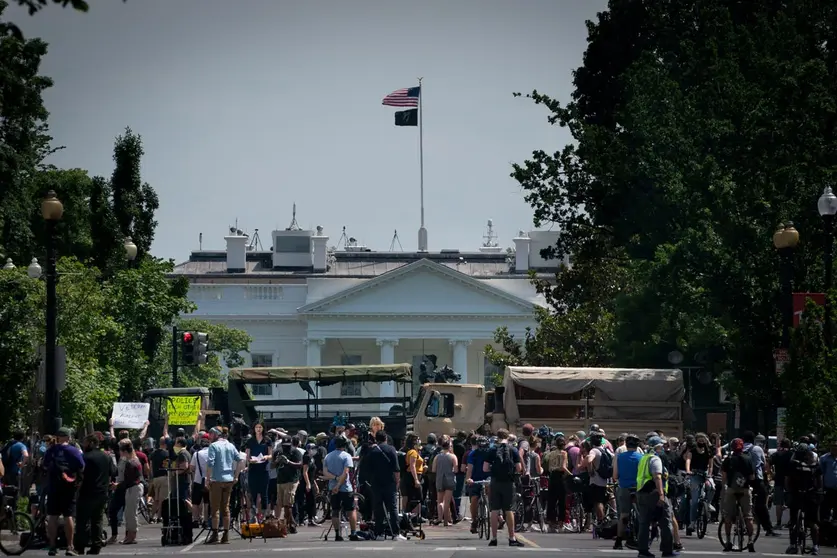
[
  {"x": 473, "y": 490},
  {"x": 779, "y": 495},
  {"x": 62, "y": 501},
  {"x": 286, "y": 493},
  {"x": 598, "y": 494},
  {"x": 735, "y": 496},
  {"x": 810, "y": 507},
  {"x": 624, "y": 499},
  {"x": 158, "y": 488},
  {"x": 199, "y": 494},
  {"x": 341, "y": 502},
  {"x": 502, "y": 495},
  {"x": 444, "y": 483}
]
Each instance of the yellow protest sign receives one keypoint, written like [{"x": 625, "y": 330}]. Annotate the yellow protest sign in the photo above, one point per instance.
[{"x": 183, "y": 410}]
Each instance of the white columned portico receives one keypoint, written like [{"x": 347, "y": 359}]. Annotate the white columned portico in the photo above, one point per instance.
[
  {"x": 460, "y": 357},
  {"x": 387, "y": 357},
  {"x": 315, "y": 350}
]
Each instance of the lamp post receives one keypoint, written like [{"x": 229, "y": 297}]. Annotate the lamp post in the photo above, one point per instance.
[
  {"x": 51, "y": 210},
  {"x": 786, "y": 239},
  {"x": 827, "y": 206}
]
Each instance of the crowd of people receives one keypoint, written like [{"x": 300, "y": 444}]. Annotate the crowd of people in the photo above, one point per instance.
[{"x": 270, "y": 474}]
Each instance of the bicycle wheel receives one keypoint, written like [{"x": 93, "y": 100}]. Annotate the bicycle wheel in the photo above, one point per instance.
[
  {"x": 16, "y": 532},
  {"x": 322, "y": 509},
  {"x": 701, "y": 522},
  {"x": 485, "y": 519},
  {"x": 800, "y": 532},
  {"x": 540, "y": 516}
]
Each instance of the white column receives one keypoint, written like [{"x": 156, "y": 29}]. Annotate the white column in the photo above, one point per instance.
[
  {"x": 460, "y": 357},
  {"x": 315, "y": 351},
  {"x": 387, "y": 357}
]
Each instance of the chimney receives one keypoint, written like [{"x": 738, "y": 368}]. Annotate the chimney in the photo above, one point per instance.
[
  {"x": 320, "y": 251},
  {"x": 521, "y": 252},
  {"x": 236, "y": 252}
]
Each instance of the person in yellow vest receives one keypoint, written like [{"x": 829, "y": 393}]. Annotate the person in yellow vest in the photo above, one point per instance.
[{"x": 652, "y": 504}]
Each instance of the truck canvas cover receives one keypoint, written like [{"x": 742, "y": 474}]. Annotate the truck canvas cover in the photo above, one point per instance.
[
  {"x": 400, "y": 373},
  {"x": 609, "y": 385}
]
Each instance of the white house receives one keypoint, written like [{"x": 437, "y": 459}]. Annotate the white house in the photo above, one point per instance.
[{"x": 305, "y": 304}]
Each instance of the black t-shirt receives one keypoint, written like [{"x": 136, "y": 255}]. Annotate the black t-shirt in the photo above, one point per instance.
[
  {"x": 159, "y": 462},
  {"x": 738, "y": 468},
  {"x": 780, "y": 461},
  {"x": 499, "y": 471},
  {"x": 380, "y": 466},
  {"x": 256, "y": 449},
  {"x": 289, "y": 474},
  {"x": 180, "y": 489},
  {"x": 804, "y": 473},
  {"x": 98, "y": 471}
]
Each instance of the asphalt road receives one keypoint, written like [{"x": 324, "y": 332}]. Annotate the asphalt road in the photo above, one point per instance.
[{"x": 439, "y": 543}]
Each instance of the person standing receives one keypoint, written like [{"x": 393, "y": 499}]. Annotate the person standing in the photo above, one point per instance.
[
  {"x": 625, "y": 469},
  {"x": 445, "y": 466},
  {"x": 652, "y": 504},
  {"x": 503, "y": 463},
  {"x": 221, "y": 474},
  {"x": 384, "y": 472},
  {"x": 738, "y": 474},
  {"x": 14, "y": 455},
  {"x": 760, "y": 486},
  {"x": 99, "y": 470},
  {"x": 337, "y": 466},
  {"x": 288, "y": 468},
  {"x": 259, "y": 449},
  {"x": 65, "y": 464}
]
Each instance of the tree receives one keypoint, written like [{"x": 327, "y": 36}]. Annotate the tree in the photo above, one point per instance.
[
  {"x": 697, "y": 126},
  {"x": 226, "y": 346},
  {"x": 134, "y": 202},
  {"x": 809, "y": 381}
]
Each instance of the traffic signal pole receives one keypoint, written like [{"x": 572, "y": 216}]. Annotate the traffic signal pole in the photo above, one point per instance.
[{"x": 174, "y": 366}]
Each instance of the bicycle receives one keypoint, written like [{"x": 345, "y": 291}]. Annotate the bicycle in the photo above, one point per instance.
[
  {"x": 577, "y": 514},
  {"x": 16, "y": 527},
  {"x": 738, "y": 532},
  {"x": 483, "y": 517},
  {"x": 800, "y": 528},
  {"x": 702, "y": 520}
]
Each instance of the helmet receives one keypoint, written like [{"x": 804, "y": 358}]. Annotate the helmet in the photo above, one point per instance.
[
  {"x": 482, "y": 442},
  {"x": 543, "y": 431},
  {"x": 632, "y": 440}
]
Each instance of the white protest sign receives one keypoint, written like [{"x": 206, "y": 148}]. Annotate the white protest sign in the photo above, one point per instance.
[{"x": 130, "y": 415}]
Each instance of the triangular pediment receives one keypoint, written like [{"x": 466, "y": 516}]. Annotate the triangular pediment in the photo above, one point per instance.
[{"x": 421, "y": 288}]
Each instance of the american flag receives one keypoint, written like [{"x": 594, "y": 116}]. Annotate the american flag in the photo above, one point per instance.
[{"x": 408, "y": 97}]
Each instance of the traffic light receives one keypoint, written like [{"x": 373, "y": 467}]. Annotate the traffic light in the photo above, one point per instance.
[
  {"x": 187, "y": 348},
  {"x": 201, "y": 345}
]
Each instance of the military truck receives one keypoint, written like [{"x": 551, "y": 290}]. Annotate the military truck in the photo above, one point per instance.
[{"x": 565, "y": 399}]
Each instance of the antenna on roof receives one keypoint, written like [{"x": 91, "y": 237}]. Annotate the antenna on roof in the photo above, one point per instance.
[
  {"x": 394, "y": 240},
  {"x": 255, "y": 242},
  {"x": 344, "y": 239},
  {"x": 294, "y": 226},
  {"x": 200, "y": 242},
  {"x": 490, "y": 243}
]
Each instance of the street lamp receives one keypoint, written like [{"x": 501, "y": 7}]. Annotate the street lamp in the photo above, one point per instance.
[
  {"x": 52, "y": 210},
  {"x": 827, "y": 206},
  {"x": 786, "y": 239},
  {"x": 34, "y": 269},
  {"x": 130, "y": 249}
]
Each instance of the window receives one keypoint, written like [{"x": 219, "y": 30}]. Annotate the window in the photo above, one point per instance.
[
  {"x": 490, "y": 370},
  {"x": 261, "y": 361},
  {"x": 350, "y": 389},
  {"x": 440, "y": 405}
]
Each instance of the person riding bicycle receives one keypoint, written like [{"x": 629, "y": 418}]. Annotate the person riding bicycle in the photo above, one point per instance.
[
  {"x": 803, "y": 483},
  {"x": 737, "y": 473}
]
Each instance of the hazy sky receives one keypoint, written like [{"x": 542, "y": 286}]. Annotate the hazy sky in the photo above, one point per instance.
[{"x": 246, "y": 107}]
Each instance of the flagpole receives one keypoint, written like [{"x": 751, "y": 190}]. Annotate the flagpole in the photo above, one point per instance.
[{"x": 422, "y": 237}]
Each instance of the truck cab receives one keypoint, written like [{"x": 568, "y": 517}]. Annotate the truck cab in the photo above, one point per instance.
[{"x": 447, "y": 408}]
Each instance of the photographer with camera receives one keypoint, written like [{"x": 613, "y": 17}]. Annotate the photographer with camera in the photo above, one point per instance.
[{"x": 287, "y": 460}]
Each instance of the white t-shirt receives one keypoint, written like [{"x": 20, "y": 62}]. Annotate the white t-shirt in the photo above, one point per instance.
[
  {"x": 199, "y": 465},
  {"x": 621, "y": 449}
]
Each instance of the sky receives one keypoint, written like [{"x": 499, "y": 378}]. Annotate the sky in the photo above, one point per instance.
[{"x": 246, "y": 108}]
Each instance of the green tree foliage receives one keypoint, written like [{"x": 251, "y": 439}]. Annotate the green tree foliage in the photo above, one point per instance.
[
  {"x": 225, "y": 344},
  {"x": 809, "y": 381},
  {"x": 697, "y": 126}
]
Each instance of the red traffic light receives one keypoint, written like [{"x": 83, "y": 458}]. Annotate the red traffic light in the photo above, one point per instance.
[{"x": 187, "y": 337}]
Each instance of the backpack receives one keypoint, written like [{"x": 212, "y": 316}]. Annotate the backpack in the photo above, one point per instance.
[
  {"x": 428, "y": 464},
  {"x": 605, "y": 469},
  {"x": 6, "y": 453},
  {"x": 503, "y": 466},
  {"x": 402, "y": 462}
]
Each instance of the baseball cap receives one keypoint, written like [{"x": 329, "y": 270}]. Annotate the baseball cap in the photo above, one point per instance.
[
  {"x": 655, "y": 441},
  {"x": 64, "y": 432}
]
